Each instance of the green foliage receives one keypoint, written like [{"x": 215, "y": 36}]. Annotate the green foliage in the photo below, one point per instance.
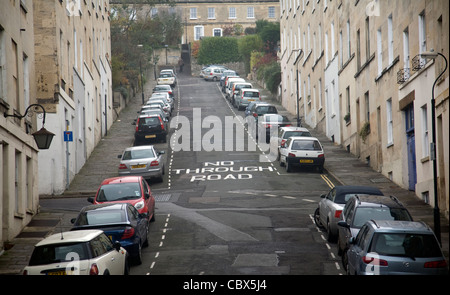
[
  {"x": 217, "y": 50},
  {"x": 271, "y": 74},
  {"x": 246, "y": 46}
]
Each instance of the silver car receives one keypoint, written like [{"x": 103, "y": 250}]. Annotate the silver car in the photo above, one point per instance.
[
  {"x": 395, "y": 248},
  {"x": 328, "y": 214},
  {"x": 213, "y": 73},
  {"x": 142, "y": 161}
]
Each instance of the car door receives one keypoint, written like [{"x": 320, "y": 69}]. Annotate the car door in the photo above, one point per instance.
[
  {"x": 326, "y": 206},
  {"x": 140, "y": 224},
  {"x": 356, "y": 250},
  {"x": 105, "y": 256},
  {"x": 284, "y": 150}
]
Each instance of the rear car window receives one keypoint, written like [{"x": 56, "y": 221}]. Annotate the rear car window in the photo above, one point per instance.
[
  {"x": 306, "y": 145},
  {"x": 251, "y": 94},
  {"x": 364, "y": 214},
  {"x": 101, "y": 217},
  {"x": 405, "y": 244},
  {"x": 138, "y": 154},
  {"x": 119, "y": 191},
  {"x": 150, "y": 121},
  {"x": 288, "y": 134},
  {"x": 48, "y": 254}
]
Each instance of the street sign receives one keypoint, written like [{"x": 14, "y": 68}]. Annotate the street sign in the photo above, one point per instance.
[{"x": 68, "y": 136}]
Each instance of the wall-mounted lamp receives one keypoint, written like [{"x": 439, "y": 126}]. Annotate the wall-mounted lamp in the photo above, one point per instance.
[{"x": 42, "y": 137}]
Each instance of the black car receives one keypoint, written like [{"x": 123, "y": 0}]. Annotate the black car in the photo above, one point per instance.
[
  {"x": 120, "y": 222},
  {"x": 150, "y": 127},
  {"x": 362, "y": 208},
  {"x": 268, "y": 121}
]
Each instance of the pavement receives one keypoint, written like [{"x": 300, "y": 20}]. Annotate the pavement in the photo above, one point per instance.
[{"x": 343, "y": 166}]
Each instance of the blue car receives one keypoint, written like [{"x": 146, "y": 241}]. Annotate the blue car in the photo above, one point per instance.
[{"x": 120, "y": 222}]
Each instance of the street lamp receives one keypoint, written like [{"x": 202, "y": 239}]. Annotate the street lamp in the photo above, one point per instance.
[
  {"x": 142, "y": 74},
  {"x": 437, "y": 220},
  {"x": 42, "y": 137}
]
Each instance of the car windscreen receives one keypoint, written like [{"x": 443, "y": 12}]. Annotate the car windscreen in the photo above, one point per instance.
[
  {"x": 364, "y": 214},
  {"x": 288, "y": 134},
  {"x": 266, "y": 110},
  {"x": 55, "y": 253},
  {"x": 251, "y": 94},
  {"x": 276, "y": 118},
  {"x": 306, "y": 145},
  {"x": 138, "y": 154},
  {"x": 101, "y": 217},
  {"x": 414, "y": 245},
  {"x": 150, "y": 121},
  {"x": 166, "y": 75},
  {"x": 119, "y": 191}
]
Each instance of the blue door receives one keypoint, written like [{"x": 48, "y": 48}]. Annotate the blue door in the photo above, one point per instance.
[{"x": 411, "y": 147}]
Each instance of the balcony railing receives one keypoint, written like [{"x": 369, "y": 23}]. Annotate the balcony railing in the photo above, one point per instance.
[
  {"x": 418, "y": 63},
  {"x": 403, "y": 75}
]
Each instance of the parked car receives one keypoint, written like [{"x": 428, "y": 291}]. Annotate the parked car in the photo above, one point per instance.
[
  {"x": 260, "y": 109},
  {"x": 142, "y": 161},
  {"x": 267, "y": 122},
  {"x": 167, "y": 78},
  {"x": 87, "y": 252},
  {"x": 395, "y": 248},
  {"x": 162, "y": 104},
  {"x": 360, "y": 209},
  {"x": 225, "y": 83},
  {"x": 150, "y": 127},
  {"x": 226, "y": 73},
  {"x": 285, "y": 132},
  {"x": 213, "y": 73},
  {"x": 248, "y": 109},
  {"x": 120, "y": 222},
  {"x": 302, "y": 151},
  {"x": 127, "y": 189},
  {"x": 245, "y": 96},
  {"x": 236, "y": 87},
  {"x": 165, "y": 96},
  {"x": 154, "y": 109},
  {"x": 229, "y": 87},
  {"x": 329, "y": 211}
]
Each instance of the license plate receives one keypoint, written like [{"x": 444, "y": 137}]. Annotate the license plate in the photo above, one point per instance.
[
  {"x": 307, "y": 161},
  {"x": 250, "y": 99},
  {"x": 57, "y": 273},
  {"x": 137, "y": 166},
  {"x": 150, "y": 136}
]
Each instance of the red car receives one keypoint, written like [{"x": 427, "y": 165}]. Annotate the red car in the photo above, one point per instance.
[{"x": 128, "y": 189}]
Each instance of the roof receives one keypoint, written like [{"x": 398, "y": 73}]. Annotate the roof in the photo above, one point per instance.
[
  {"x": 401, "y": 225},
  {"x": 121, "y": 179},
  {"x": 303, "y": 138},
  {"x": 294, "y": 128},
  {"x": 69, "y": 237},
  {"x": 344, "y": 189},
  {"x": 377, "y": 200}
]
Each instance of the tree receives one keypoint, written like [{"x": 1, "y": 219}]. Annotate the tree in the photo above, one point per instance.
[
  {"x": 248, "y": 44},
  {"x": 217, "y": 50}
]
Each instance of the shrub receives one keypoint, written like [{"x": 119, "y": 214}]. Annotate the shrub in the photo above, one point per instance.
[{"x": 217, "y": 50}]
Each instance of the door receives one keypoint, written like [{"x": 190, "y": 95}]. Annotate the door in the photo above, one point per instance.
[{"x": 411, "y": 146}]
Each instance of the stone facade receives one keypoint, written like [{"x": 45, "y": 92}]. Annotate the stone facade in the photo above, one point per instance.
[
  {"x": 18, "y": 150},
  {"x": 359, "y": 64},
  {"x": 73, "y": 73}
]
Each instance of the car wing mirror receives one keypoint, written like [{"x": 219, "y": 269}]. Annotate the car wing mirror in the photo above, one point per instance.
[
  {"x": 73, "y": 220},
  {"x": 322, "y": 196},
  {"x": 117, "y": 245},
  {"x": 351, "y": 241},
  {"x": 343, "y": 224},
  {"x": 90, "y": 200}
]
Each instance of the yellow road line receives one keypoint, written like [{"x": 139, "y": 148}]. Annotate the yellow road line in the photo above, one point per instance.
[{"x": 328, "y": 181}]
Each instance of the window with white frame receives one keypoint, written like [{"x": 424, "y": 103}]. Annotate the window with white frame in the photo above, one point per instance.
[
  {"x": 217, "y": 32},
  {"x": 198, "y": 32},
  {"x": 406, "y": 49},
  {"x": 389, "y": 125},
  {"x": 193, "y": 13},
  {"x": 425, "y": 138},
  {"x": 211, "y": 13},
  {"x": 250, "y": 12},
  {"x": 422, "y": 35},
  {"x": 390, "y": 41},
  {"x": 348, "y": 40},
  {"x": 271, "y": 12},
  {"x": 379, "y": 52},
  {"x": 232, "y": 12}
]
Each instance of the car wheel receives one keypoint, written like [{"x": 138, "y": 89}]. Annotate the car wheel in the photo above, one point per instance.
[
  {"x": 317, "y": 218},
  {"x": 146, "y": 237},
  {"x": 321, "y": 169},
  {"x": 138, "y": 258},
  {"x": 330, "y": 237},
  {"x": 288, "y": 167},
  {"x": 126, "y": 270},
  {"x": 281, "y": 162},
  {"x": 345, "y": 260}
]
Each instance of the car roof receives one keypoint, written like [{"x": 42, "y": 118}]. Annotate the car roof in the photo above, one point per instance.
[
  {"x": 139, "y": 147},
  {"x": 401, "y": 225},
  {"x": 294, "y": 128},
  {"x": 148, "y": 115},
  {"x": 377, "y": 200},
  {"x": 70, "y": 237},
  {"x": 303, "y": 138},
  {"x": 121, "y": 179},
  {"x": 250, "y": 89},
  {"x": 343, "y": 189}
]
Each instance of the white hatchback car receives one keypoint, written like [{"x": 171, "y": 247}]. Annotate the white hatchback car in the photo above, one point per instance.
[
  {"x": 302, "y": 151},
  {"x": 81, "y": 252}
]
